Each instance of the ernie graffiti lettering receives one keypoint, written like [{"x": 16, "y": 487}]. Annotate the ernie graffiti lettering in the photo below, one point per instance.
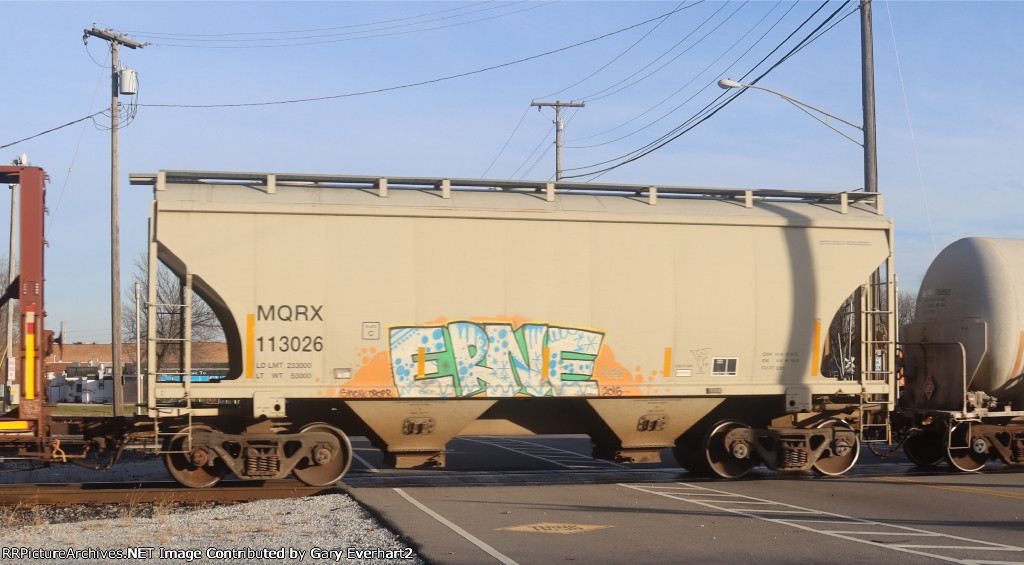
[{"x": 493, "y": 359}]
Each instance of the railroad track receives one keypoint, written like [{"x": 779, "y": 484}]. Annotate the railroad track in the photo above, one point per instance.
[{"x": 162, "y": 492}]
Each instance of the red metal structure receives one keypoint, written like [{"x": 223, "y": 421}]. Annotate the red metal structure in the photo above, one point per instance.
[{"x": 27, "y": 425}]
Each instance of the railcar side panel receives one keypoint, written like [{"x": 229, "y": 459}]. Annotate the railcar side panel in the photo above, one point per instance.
[{"x": 355, "y": 301}]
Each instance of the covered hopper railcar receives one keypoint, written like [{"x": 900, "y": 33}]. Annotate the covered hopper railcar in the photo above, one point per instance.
[{"x": 413, "y": 310}]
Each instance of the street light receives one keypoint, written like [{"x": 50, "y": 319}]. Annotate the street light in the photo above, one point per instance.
[{"x": 726, "y": 84}]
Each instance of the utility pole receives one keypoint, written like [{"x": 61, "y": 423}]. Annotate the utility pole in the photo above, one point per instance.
[
  {"x": 115, "y": 40},
  {"x": 868, "y": 95},
  {"x": 557, "y": 105}
]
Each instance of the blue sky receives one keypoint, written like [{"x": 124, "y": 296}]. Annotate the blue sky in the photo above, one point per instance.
[{"x": 960, "y": 67}]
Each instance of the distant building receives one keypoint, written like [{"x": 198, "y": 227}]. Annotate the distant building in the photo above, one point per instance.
[{"x": 83, "y": 372}]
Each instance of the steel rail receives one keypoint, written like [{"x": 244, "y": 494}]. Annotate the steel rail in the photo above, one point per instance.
[{"x": 162, "y": 492}]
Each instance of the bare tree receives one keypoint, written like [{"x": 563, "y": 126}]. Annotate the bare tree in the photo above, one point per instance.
[
  {"x": 840, "y": 349},
  {"x": 12, "y": 305},
  {"x": 907, "y": 303},
  {"x": 206, "y": 327}
]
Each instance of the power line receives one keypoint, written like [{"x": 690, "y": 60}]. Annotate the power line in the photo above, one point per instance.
[
  {"x": 74, "y": 157},
  {"x": 164, "y": 34},
  {"x": 663, "y": 19},
  {"x": 532, "y": 153},
  {"x": 340, "y": 40},
  {"x": 420, "y": 83},
  {"x": 663, "y": 116},
  {"x": 620, "y": 55},
  {"x": 507, "y": 141},
  {"x": 688, "y": 83},
  {"x": 601, "y": 93},
  {"x": 71, "y": 123},
  {"x": 714, "y": 106},
  {"x": 711, "y": 109}
]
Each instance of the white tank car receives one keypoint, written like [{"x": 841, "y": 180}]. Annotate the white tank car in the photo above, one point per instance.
[
  {"x": 964, "y": 356},
  {"x": 974, "y": 290},
  {"x": 411, "y": 310}
]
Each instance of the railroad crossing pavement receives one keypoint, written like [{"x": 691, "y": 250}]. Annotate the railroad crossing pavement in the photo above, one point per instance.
[{"x": 541, "y": 500}]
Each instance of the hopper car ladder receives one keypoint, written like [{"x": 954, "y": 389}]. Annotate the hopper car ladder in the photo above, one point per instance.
[
  {"x": 183, "y": 340},
  {"x": 876, "y": 304}
]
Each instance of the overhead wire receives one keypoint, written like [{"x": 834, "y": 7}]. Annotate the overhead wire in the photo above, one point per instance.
[
  {"x": 620, "y": 55},
  {"x": 568, "y": 120},
  {"x": 71, "y": 123},
  {"x": 320, "y": 41},
  {"x": 536, "y": 162},
  {"x": 673, "y": 59},
  {"x": 662, "y": 19},
  {"x": 715, "y": 105},
  {"x": 687, "y": 84},
  {"x": 710, "y": 109},
  {"x": 98, "y": 64},
  {"x": 74, "y": 156},
  {"x": 601, "y": 93},
  {"x": 507, "y": 141},
  {"x": 548, "y": 150},
  {"x": 910, "y": 125},
  {"x": 278, "y": 32},
  {"x": 547, "y": 135},
  {"x": 419, "y": 83}
]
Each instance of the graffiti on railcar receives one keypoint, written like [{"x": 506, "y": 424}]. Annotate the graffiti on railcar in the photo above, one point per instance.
[{"x": 494, "y": 359}]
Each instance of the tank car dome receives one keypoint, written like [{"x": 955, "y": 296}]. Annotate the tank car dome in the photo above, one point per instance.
[{"x": 979, "y": 279}]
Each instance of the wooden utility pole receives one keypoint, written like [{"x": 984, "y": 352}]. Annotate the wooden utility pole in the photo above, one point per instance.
[
  {"x": 558, "y": 129},
  {"x": 868, "y": 97},
  {"x": 115, "y": 41}
]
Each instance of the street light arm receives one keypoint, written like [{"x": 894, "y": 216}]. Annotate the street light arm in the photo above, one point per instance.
[
  {"x": 805, "y": 107},
  {"x": 825, "y": 121}
]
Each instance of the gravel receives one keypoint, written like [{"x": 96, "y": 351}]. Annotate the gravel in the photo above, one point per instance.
[{"x": 330, "y": 528}]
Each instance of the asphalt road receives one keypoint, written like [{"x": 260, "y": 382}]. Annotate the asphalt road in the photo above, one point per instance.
[{"x": 543, "y": 500}]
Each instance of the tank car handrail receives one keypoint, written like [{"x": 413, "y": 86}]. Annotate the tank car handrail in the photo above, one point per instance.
[{"x": 365, "y": 182}]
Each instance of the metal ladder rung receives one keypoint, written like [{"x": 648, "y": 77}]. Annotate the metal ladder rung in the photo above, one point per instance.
[{"x": 185, "y": 380}]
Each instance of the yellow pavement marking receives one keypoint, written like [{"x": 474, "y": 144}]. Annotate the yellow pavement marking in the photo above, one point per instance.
[
  {"x": 551, "y": 528},
  {"x": 972, "y": 490}
]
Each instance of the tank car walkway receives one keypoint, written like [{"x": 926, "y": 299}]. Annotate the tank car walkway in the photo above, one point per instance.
[{"x": 543, "y": 500}]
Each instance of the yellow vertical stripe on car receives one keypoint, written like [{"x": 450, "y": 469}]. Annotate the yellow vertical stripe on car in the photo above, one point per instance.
[
  {"x": 30, "y": 356},
  {"x": 250, "y": 342},
  {"x": 816, "y": 356},
  {"x": 1020, "y": 355}
]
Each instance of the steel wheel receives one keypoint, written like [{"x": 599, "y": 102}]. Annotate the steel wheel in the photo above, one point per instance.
[
  {"x": 728, "y": 461},
  {"x": 334, "y": 460},
  {"x": 965, "y": 452},
  {"x": 925, "y": 450},
  {"x": 689, "y": 452},
  {"x": 841, "y": 454},
  {"x": 185, "y": 466}
]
